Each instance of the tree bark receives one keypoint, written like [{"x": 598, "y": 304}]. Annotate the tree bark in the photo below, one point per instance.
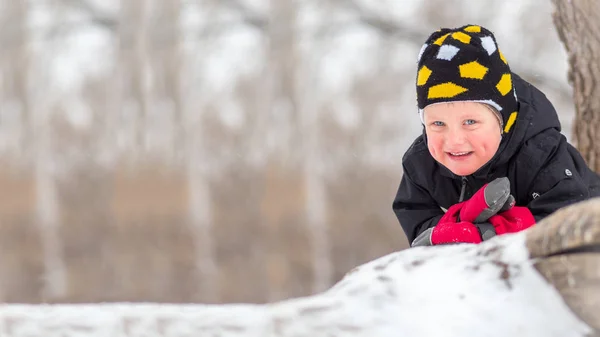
[{"x": 579, "y": 30}]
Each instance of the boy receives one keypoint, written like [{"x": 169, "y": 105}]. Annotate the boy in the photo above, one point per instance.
[{"x": 490, "y": 141}]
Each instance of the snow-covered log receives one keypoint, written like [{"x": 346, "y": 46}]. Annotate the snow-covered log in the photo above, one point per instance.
[{"x": 541, "y": 282}]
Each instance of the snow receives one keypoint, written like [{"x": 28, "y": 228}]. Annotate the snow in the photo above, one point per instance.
[{"x": 489, "y": 289}]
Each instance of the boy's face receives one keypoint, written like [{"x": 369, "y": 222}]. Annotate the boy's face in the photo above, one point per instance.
[{"x": 462, "y": 136}]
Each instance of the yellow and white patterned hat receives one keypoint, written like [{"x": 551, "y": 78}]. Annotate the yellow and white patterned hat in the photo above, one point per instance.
[{"x": 465, "y": 64}]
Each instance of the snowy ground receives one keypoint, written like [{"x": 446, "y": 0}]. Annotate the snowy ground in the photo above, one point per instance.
[{"x": 489, "y": 289}]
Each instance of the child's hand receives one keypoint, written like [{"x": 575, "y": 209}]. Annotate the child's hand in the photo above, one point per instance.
[
  {"x": 514, "y": 220},
  {"x": 448, "y": 232},
  {"x": 488, "y": 201}
]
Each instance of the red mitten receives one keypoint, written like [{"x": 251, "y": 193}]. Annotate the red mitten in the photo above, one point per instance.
[
  {"x": 514, "y": 220},
  {"x": 452, "y": 213},
  {"x": 486, "y": 202},
  {"x": 461, "y": 232},
  {"x": 448, "y": 230},
  {"x": 456, "y": 225}
]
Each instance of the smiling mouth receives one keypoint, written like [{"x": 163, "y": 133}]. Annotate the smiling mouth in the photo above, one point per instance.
[{"x": 459, "y": 154}]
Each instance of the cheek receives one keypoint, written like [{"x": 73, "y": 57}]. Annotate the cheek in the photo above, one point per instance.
[
  {"x": 486, "y": 142},
  {"x": 434, "y": 143}
]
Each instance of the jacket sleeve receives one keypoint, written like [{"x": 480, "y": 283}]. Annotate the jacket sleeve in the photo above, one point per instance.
[
  {"x": 415, "y": 208},
  {"x": 564, "y": 179}
]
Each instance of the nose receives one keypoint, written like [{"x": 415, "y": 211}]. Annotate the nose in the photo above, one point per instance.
[{"x": 455, "y": 136}]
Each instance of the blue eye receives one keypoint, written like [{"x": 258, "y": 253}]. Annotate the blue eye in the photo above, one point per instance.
[
  {"x": 470, "y": 122},
  {"x": 438, "y": 123}
]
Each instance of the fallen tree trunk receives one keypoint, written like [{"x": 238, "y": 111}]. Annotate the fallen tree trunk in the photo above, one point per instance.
[{"x": 539, "y": 282}]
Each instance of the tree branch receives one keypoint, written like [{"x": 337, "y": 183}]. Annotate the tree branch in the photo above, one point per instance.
[
  {"x": 387, "y": 27},
  {"x": 96, "y": 15}
]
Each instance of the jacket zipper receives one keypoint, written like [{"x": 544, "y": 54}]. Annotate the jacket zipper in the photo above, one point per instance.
[{"x": 462, "y": 189}]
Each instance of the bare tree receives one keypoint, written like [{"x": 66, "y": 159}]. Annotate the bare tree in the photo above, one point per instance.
[
  {"x": 38, "y": 113},
  {"x": 579, "y": 30}
]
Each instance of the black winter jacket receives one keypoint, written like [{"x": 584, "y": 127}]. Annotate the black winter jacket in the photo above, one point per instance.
[{"x": 545, "y": 171}]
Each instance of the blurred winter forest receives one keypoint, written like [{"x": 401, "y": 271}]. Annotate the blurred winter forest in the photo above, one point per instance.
[{"x": 219, "y": 150}]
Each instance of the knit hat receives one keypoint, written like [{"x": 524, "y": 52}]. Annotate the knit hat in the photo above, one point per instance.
[{"x": 465, "y": 64}]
